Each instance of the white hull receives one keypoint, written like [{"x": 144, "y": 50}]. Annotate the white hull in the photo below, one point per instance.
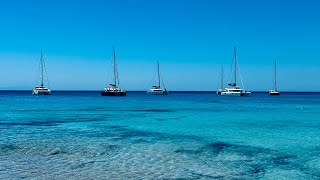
[
  {"x": 41, "y": 92},
  {"x": 157, "y": 92},
  {"x": 234, "y": 92},
  {"x": 273, "y": 92},
  {"x": 219, "y": 91}
]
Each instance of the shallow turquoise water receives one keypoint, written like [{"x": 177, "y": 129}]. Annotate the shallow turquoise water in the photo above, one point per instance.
[{"x": 81, "y": 135}]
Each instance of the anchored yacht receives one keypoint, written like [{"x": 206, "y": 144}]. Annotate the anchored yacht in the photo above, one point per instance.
[
  {"x": 114, "y": 89},
  {"x": 234, "y": 89},
  {"x": 156, "y": 89},
  {"x": 41, "y": 90},
  {"x": 275, "y": 91}
]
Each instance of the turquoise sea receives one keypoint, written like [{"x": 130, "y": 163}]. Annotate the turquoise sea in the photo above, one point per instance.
[{"x": 185, "y": 135}]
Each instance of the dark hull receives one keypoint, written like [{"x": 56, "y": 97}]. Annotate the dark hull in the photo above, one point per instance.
[
  {"x": 112, "y": 93},
  {"x": 274, "y": 94},
  {"x": 42, "y": 94}
]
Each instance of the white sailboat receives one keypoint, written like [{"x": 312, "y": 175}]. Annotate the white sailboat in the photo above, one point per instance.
[
  {"x": 234, "y": 89},
  {"x": 275, "y": 91},
  {"x": 41, "y": 90},
  {"x": 114, "y": 89},
  {"x": 156, "y": 89}
]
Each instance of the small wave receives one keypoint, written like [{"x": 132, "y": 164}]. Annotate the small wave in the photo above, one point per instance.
[
  {"x": 153, "y": 110},
  {"x": 33, "y": 123}
]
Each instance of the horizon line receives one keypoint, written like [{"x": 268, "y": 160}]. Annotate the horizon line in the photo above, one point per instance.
[{"x": 169, "y": 91}]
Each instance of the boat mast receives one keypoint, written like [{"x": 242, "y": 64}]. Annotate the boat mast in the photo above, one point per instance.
[
  {"x": 275, "y": 75},
  {"x": 235, "y": 66},
  {"x": 114, "y": 67},
  {"x": 41, "y": 66},
  {"x": 222, "y": 77},
  {"x": 158, "y": 73}
]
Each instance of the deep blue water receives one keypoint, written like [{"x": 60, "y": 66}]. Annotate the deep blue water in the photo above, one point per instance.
[{"x": 185, "y": 135}]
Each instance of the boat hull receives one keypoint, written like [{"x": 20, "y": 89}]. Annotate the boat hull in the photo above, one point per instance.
[
  {"x": 219, "y": 91},
  {"x": 157, "y": 92},
  {"x": 274, "y": 93},
  {"x": 41, "y": 92},
  {"x": 113, "y": 93},
  {"x": 230, "y": 94},
  {"x": 245, "y": 93}
]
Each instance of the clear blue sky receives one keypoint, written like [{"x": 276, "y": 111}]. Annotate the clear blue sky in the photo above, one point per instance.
[{"x": 192, "y": 39}]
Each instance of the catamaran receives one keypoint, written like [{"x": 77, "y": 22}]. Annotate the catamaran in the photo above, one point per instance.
[
  {"x": 234, "y": 89},
  {"x": 41, "y": 90},
  {"x": 275, "y": 91},
  {"x": 156, "y": 89},
  {"x": 114, "y": 88}
]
